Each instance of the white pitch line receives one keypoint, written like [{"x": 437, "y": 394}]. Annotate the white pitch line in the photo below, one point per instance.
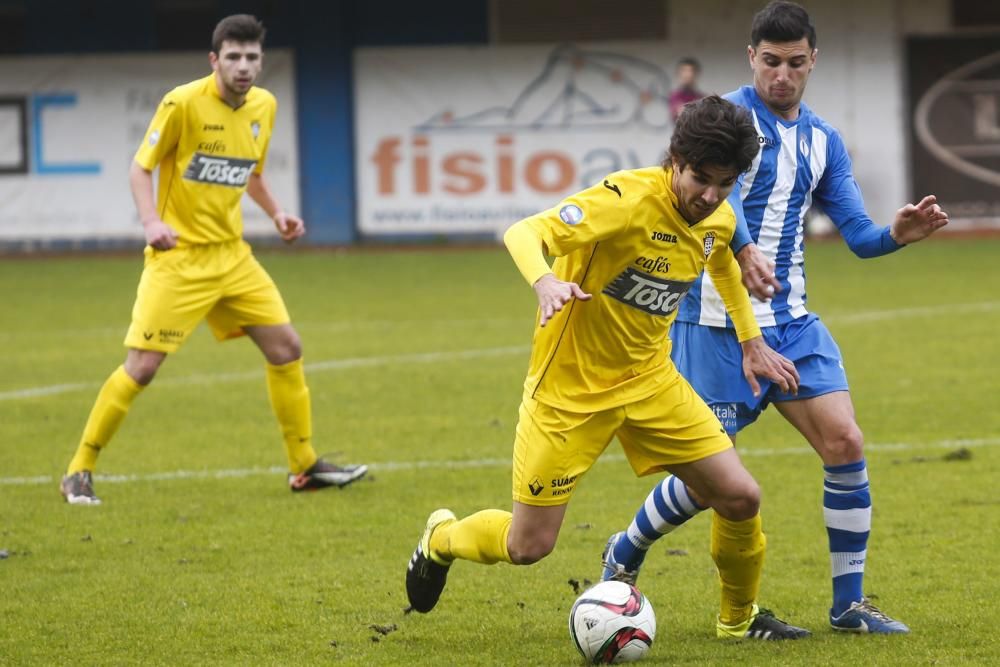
[
  {"x": 302, "y": 326},
  {"x": 918, "y": 311},
  {"x": 314, "y": 367},
  {"x": 389, "y": 466},
  {"x": 430, "y": 357}
]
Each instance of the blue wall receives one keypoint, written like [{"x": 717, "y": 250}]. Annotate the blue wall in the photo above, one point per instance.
[{"x": 322, "y": 35}]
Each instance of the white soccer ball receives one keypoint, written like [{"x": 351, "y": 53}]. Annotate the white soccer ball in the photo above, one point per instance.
[{"x": 612, "y": 622}]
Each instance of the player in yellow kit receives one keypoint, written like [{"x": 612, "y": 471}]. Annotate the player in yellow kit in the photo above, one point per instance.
[
  {"x": 627, "y": 250},
  {"x": 209, "y": 139}
]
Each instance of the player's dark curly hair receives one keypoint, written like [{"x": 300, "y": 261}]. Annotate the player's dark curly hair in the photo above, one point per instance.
[
  {"x": 713, "y": 131},
  {"x": 782, "y": 21},
  {"x": 238, "y": 28}
]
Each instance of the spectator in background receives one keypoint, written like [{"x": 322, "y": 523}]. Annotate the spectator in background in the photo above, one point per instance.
[{"x": 688, "y": 70}]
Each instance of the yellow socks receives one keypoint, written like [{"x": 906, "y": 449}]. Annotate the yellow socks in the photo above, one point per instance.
[
  {"x": 738, "y": 551},
  {"x": 481, "y": 538},
  {"x": 286, "y": 387},
  {"x": 110, "y": 408}
]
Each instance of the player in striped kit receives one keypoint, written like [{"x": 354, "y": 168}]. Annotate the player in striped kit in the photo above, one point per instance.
[{"x": 802, "y": 160}]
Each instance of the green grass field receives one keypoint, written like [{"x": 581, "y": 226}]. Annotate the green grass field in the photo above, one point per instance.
[{"x": 200, "y": 555}]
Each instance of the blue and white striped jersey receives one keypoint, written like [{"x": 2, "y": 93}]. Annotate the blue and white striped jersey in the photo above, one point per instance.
[{"x": 800, "y": 162}]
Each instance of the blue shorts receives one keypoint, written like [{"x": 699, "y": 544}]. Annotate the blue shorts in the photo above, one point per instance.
[{"x": 712, "y": 361}]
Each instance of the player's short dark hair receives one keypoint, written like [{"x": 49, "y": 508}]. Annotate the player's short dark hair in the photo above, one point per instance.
[
  {"x": 238, "y": 28},
  {"x": 713, "y": 131},
  {"x": 692, "y": 62},
  {"x": 782, "y": 21}
]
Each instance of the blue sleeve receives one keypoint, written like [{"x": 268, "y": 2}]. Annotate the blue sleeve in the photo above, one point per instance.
[
  {"x": 840, "y": 198},
  {"x": 741, "y": 236}
]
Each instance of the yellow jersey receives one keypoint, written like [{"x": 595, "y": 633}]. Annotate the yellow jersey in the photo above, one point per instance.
[
  {"x": 206, "y": 151},
  {"x": 625, "y": 243}
]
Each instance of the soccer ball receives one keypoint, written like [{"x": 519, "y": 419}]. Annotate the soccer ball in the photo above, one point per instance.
[{"x": 612, "y": 622}]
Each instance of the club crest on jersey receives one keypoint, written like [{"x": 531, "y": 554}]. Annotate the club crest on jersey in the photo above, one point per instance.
[
  {"x": 804, "y": 147},
  {"x": 653, "y": 295},
  {"x": 255, "y": 129},
  {"x": 709, "y": 243},
  {"x": 571, "y": 214}
]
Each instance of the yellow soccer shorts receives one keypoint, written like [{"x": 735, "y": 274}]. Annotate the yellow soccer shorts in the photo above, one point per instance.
[
  {"x": 554, "y": 448},
  {"x": 221, "y": 283}
]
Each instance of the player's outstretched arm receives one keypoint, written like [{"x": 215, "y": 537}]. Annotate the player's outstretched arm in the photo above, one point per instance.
[
  {"x": 916, "y": 222},
  {"x": 159, "y": 234},
  {"x": 526, "y": 249},
  {"x": 290, "y": 227},
  {"x": 759, "y": 360},
  {"x": 553, "y": 294},
  {"x": 756, "y": 269},
  {"x": 757, "y": 272}
]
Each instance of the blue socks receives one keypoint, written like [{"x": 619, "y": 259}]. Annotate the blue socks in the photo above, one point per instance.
[
  {"x": 847, "y": 511},
  {"x": 667, "y": 507}
]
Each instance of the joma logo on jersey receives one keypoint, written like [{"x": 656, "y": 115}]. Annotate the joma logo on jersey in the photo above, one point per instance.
[
  {"x": 663, "y": 236},
  {"x": 655, "y": 296},
  {"x": 230, "y": 171},
  {"x": 766, "y": 142}
]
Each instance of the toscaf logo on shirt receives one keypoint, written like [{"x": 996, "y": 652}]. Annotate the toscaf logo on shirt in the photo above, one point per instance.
[
  {"x": 649, "y": 294},
  {"x": 219, "y": 170}
]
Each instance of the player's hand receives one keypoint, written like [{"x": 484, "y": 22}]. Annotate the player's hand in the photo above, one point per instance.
[
  {"x": 553, "y": 294},
  {"x": 759, "y": 360},
  {"x": 159, "y": 234},
  {"x": 289, "y": 226},
  {"x": 915, "y": 223},
  {"x": 758, "y": 272}
]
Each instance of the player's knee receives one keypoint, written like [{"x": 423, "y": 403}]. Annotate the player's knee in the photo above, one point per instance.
[
  {"x": 526, "y": 552},
  {"x": 844, "y": 446},
  {"x": 293, "y": 348},
  {"x": 142, "y": 367},
  {"x": 741, "y": 502},
  {"x": 285, "y": 351}
]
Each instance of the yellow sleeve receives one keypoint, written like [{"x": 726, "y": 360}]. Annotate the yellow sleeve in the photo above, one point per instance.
[
  {"x": 725, "y": 272},
  {"x": 584, "y": 218},
  {"x": 259, "y": 168},
  {"x": 163, "y": 133},
  {"x": 526, "y": 248}
]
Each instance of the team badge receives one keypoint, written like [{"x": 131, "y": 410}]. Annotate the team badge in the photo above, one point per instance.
[
  {"x": 255, "y": 128},
  {"x": 709, "y": 243},
  {"x": 571, "y": 214},
  {"x": 154, "y": 136},
  {"x": 804, "y": 147}
]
